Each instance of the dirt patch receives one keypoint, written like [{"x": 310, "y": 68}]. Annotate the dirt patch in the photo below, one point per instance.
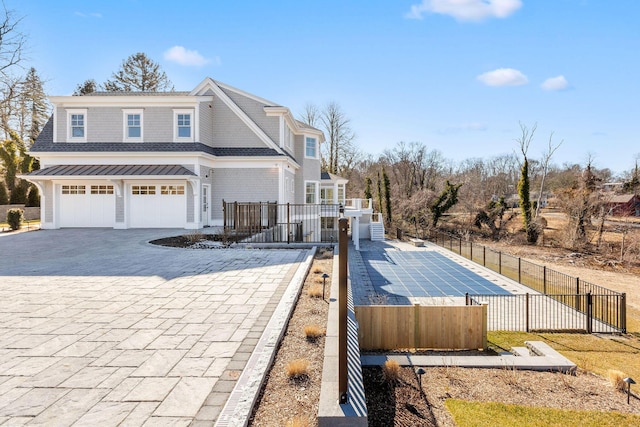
[{"x": 407, "y": 404}]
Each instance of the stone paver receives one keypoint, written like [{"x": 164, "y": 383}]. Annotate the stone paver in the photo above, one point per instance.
[{"x": 97, "y": 327}]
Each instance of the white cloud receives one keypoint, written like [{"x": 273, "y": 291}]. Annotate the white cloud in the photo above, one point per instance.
[
  {"x": 555, "y": 83},
  {"x": 187, "y": 57},
  {"x": 466, "y": 10},
  {"x": 503, "y": 77}
]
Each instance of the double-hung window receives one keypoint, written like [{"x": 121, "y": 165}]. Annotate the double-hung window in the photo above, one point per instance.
[
  {"x": 77, "y": 125},
  {"x": 132, "y": 125},
  {"x": 310, "y": 147},
  {"x": 183, "y": 125},
  {"x": 311, "y": 192}
]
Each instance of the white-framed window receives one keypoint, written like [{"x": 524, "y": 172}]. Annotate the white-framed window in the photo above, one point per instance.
[
  {"x": 341, "y": 199},
  {"x": 289, "y": 137},
  {"x": 143, "y": 189},
  {"x": 102, "y": 189},
  {"x": 77, "y": 125},
  {"x": 133, "y": 125},
  {"x": 73, "y": 189},
  {"x": 311, "y": 192},
  {"x": 311, "y": 147},
  {"x": 183, "y": 125},
  {"x": 171, "y": 190}
]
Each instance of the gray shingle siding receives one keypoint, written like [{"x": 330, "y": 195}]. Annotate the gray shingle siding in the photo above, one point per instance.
[
  {"x": 242, "y": 185},
  {"x": 255, "y": 110},
  {"x": 229, "y": 130},
  {"x": 206, "y": 122}
]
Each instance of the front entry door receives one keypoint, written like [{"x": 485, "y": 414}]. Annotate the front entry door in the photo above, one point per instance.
[{"x": 205, "y": 205}]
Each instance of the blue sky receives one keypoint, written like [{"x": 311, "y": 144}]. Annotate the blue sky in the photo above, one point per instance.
[{"x": 456, "y": 75}]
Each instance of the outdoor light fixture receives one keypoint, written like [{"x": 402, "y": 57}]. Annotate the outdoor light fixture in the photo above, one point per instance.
[
  {"x": 629, "y": 381},
  {"x": 324, "y": 282},
  {"x": 420, "y": 373}
]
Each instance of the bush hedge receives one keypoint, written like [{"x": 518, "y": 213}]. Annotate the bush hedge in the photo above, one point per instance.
[{"x": 15, "y": 218}]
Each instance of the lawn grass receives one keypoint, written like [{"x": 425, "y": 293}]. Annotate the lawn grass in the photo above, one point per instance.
[
  {"x": 594, "y": 353},
  {"x": 469, "y": 414}
]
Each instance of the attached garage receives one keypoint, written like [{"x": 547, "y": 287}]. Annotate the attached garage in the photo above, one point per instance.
[
  {"x": 153, "y": 205},
  {"x": 86, "y": 205}
]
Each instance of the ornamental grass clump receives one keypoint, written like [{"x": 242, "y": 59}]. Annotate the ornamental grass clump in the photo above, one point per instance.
[
  {"x": 313, "y": 332},
  {"x": 616, "y": 378},
  {"x": 391, "y": 371},
  {"x": 297, "y": 369},
  {"x": 315, "y": 291}
]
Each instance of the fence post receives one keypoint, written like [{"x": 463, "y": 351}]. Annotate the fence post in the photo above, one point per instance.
[
  {"x": 526, "y": 311},
  {"x": 466, "y": 298},
  {"x": 623, "y": 312},
  {"x": 288, "y": 223},
  {"x": 589, "y": 326},
  {"x": 471, "y": 250},
  {"x": 343, "y": 247},
  {"x": 484, "y": 256},
  {"x": 577, "y": 293},
  {"x": 485, "y": 327},
  {"x": 544, "y": 279},
  {"x": 500, "y": 263},
  {"x": 519, "y": 270},
  {"x": 460, "y": 246}
]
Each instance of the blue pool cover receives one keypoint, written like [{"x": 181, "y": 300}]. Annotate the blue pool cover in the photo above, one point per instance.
[{"x": 424, "y": 274}]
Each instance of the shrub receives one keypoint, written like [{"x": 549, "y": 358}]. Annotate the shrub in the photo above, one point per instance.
[
  {"x": 313, "y": 332},
  {"x": 297, "y": 369},
  {"x": 315, "y": 291},
  {"x": 615, "y": 378},
  {"x": 33, "y": 198},
  {"x": 4, "y": 196},
  {"x": 391, "y": 371},
  {"x": 19, "y": 194},
  {"x": 15, "y": 218}
]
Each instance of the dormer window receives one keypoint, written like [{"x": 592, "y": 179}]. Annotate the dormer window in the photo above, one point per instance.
[
  {"x": 77, "y": 125},
  {"x": 183, "y": 125},
  {"x": 132, "y": 125}
]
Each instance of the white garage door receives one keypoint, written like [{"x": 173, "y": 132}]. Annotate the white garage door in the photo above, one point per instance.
[
  {"x": 157, "y": 206},
  {"x": 87, "y": 206}
]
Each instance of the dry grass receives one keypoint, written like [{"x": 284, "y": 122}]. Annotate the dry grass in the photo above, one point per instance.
[
  {"x": 317, "y": 270},
  {"x": 297, "y": 369},
  {"x": 616, "y": 378},
  {"x": 315, "y": 291},
  {"x": 300, "y": 421},
  {"x": 313, "y": 332},
  {"x": 391, "y": 371},
  {"x": 194, "y": 237}
]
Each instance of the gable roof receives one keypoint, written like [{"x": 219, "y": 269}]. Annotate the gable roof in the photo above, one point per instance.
[
  {"x": 622, "y": 198},
  {"x": 333, "y": 178}
]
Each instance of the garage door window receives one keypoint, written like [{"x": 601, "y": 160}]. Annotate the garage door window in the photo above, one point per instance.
[
  {"x": 102, "y": 189},
  {"x": 172, "y": 189},
  {"x": 73, "y": 189},
  {"x": 143, "y": 189}
]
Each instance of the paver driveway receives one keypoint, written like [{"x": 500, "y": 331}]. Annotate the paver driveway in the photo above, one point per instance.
[{"x": 97, "y": 327}]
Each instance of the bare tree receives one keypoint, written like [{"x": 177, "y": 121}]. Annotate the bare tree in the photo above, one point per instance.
[
  {"x": 546, "y": 158},
  {"x": 524, "y": 141},
  {"x": 310, "y": 115},
  {"x": 12, "y": 41}
]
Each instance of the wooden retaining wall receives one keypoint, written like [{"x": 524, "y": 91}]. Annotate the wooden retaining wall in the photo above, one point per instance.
[{"x": 394, "y": 327}]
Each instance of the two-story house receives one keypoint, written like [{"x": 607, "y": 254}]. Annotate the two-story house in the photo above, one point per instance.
[{"x": 134, "y": 160}]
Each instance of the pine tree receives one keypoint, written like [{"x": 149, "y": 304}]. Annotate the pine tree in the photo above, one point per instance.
[
  {"x": 34, "y": 104},
  {"x": 445, "y": 201},
  {"x": 387, "y": 194},
  {"x": 19, "y": 193},
  {"x": 367, "y": 190},
  {"x": 86, "y": 87},
  {"x": 138, "y": 73},
  {"x": 379, "y": 183}
]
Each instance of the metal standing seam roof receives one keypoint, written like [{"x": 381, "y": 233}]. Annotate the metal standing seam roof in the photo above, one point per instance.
[{"x": 113, "y": 170}]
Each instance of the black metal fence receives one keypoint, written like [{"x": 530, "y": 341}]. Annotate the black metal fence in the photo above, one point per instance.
[
  {"x": 270, "y": 222},
  {"x": 603, "y": 310}
]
